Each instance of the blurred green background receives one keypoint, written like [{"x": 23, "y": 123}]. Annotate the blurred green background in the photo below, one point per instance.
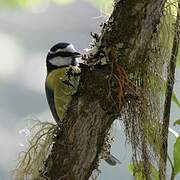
[{"x": 28, "y": 28}]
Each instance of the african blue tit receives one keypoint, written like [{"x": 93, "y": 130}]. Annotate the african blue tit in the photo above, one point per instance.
[{"x": 62, "y": 80}]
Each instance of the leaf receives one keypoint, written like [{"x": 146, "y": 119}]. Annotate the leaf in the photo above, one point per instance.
[
  {"x": 177, "y": 122},
  {"x": 175, "y": 99},
  {"x": 133, "y": 167},
  {"x": 176, "y": 154}
]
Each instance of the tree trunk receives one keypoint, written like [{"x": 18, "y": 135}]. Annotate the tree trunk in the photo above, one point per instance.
[{"x": 124, "y": 39}]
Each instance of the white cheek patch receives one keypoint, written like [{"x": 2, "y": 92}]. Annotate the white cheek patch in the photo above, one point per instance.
[
  {"x": 61, "y": 61},
  {"x": 69, "y": 48}
]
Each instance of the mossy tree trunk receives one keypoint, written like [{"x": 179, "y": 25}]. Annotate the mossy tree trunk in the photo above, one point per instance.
[{"x": 125, "y": 40}]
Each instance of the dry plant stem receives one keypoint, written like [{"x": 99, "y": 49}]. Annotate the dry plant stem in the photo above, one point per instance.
[
  {"x": 168, "y": 95},
  {"x": 76, "y": 149}
]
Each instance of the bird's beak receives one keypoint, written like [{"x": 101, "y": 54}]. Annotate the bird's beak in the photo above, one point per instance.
[{"x": 76, "y": 54}]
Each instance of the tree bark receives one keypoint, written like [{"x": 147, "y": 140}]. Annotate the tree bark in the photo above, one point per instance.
[{"x": 78, "y": 144}]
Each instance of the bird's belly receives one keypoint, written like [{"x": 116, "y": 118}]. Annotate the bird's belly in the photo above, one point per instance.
[
  {"x": 55, "y": 77},
  {"x": 63, "y": 88}
]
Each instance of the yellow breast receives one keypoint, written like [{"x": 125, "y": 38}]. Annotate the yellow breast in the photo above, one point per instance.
[
  {"x": 62, "y": 92},
  {"x": 55, "y": 77}
]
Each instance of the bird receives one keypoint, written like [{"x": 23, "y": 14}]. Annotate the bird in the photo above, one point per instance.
[{"x": 62, "y": 80}]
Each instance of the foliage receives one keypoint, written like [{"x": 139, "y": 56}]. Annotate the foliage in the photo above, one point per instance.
[
  {"x": 177, "y": 122},
  {"x": 139, "y": 175}
]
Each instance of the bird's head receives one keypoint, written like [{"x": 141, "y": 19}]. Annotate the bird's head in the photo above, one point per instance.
[{"x": 62, "y": 55}]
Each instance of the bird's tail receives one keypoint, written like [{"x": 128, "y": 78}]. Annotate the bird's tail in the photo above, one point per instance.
[{"x": 111, "y": 160}]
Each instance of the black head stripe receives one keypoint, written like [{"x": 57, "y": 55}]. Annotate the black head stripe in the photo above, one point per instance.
[
  {"x": 65, "y": 54},
  {"x": 61, "y": 45},
  {"x": 62, "y": 54}
]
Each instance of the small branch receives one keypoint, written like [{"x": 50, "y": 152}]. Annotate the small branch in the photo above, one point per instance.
[{"x": 168, "y": 95}]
